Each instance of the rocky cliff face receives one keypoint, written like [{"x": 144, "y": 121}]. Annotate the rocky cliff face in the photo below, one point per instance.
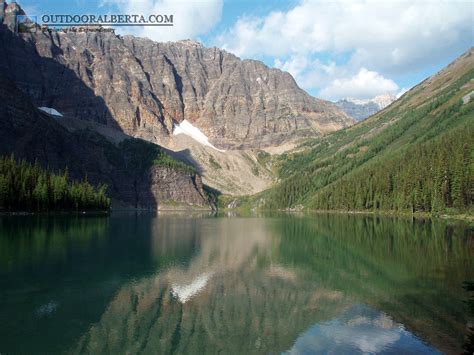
[
  {"x": 35, "y": 136},
  {"x": 142, "y": 87},
  {"x": 361, "y": 109},
  {"x": 170, "y": 185}
]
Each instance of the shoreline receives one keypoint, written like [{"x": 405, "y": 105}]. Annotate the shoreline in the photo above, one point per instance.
[{"x": 417, "y": 215}]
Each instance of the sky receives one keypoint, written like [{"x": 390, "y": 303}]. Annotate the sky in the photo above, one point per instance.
[{"x": 333, "y": 49}]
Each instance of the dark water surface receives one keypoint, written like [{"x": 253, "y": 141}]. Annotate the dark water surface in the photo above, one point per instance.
[{"x": 141, "y": 283}]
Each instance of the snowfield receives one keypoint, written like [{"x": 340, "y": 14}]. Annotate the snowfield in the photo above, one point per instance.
[{"x": 188, "y": 129}]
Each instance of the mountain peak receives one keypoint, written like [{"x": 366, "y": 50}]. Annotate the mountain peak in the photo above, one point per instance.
[
  {"x": 9, "y": 12},
  {"x": 382, "y": 100},
  {"x": 361, "y": 109},
  {"x": 190, "y": 43}
]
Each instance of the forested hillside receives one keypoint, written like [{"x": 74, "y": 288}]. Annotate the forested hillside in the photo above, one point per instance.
[
  {"x": 416, "y": 155},
  {"x": 429, "y": 177}
]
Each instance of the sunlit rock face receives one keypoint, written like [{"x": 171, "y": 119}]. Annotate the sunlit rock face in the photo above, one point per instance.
[
  {"x": 8, "y": 14},
  {"x": 143, "y": 88}
]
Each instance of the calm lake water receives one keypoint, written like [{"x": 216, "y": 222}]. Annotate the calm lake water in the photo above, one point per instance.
[{"x": 141, "y": 283}]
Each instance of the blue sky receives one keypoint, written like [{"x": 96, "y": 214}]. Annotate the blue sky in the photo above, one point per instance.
[{"x": 334, "y": 49}]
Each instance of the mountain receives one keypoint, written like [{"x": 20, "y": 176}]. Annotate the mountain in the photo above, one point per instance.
[
  {"x": 415, "y": 155},
  {"x": 361, "y": 109},
  {"x": 140, "y": 88},
  {"x": 143, "y": 88}
]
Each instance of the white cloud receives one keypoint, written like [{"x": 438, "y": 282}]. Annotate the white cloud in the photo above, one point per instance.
[
  {"x": 190, "y": 19},
  {"x": 377, "y": 40},
  {"x": 401, "y": 92},
  {"x": 295, "y": 65},
  {"x": 379, "y": 34},
  {"x": 365, "y": 84},
  {"x": 311, "y": 74},
  {"x": 358, "y": 330}
]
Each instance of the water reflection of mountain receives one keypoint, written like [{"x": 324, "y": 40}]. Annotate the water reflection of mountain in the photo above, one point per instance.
[
  {"x": 236, "y": 285},
  {"x": 230, "y": 297},
  {"x": 254, "y": 285}
]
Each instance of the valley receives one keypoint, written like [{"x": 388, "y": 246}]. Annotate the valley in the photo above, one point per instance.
[{"x": 250, "y": 135}]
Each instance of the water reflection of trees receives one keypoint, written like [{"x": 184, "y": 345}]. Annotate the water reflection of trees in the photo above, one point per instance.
[
  {"x": 469, "y": 340},
  {"x": 30, "y": 239},
  {"x": 409, "y": 269}
]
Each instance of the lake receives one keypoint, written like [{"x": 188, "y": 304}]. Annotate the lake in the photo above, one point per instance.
[{"x": 197, "y": 284}]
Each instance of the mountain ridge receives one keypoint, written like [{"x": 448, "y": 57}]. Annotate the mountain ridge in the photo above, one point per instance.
[{"x": 146, "y": 86}]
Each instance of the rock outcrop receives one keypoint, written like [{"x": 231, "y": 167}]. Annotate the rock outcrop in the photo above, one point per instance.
[
  {"x": 171, "y": 186},
  {"x": 2, "y": 10}
]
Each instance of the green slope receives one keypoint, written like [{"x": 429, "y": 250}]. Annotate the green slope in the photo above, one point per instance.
[{"x": 416, "y": 155}]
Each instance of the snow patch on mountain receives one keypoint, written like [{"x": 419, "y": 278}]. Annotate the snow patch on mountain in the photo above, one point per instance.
[
  {"x": 185, "y": 127},
  {"x": 50, "y": 111}
]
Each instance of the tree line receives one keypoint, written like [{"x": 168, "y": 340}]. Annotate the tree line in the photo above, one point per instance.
[{"x": 28, "y": 187}]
